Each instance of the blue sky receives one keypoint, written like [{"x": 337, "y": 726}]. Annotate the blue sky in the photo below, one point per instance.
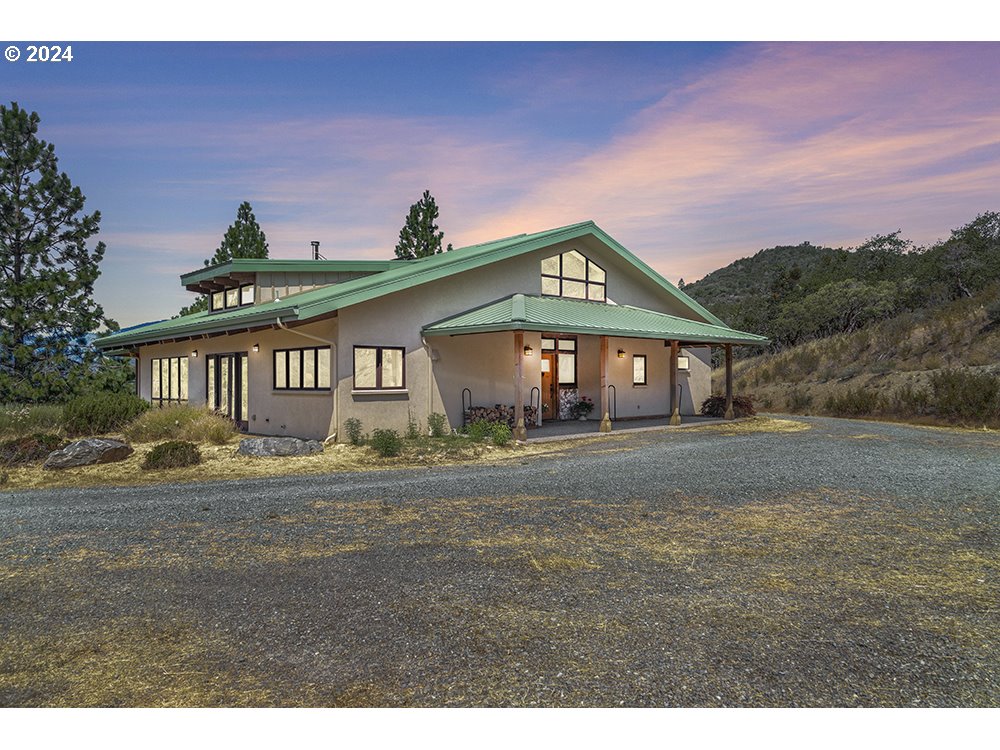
[{"x": 691, "y": 154}]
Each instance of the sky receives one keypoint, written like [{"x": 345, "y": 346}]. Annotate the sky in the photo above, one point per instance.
[{"x": 690, "y": 154}]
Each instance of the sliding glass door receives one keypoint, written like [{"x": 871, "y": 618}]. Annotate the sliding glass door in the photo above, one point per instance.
[{"x": 228, "y": 386}]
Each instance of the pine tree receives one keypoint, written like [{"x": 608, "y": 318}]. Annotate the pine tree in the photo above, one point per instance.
[
  {"x": 243, "y": 239},
  {"x": 47, "y": 272},
  {"x": 419, "y": 237}
]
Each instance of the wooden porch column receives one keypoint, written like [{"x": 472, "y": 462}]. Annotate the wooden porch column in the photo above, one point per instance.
[
  {"x": 729, "y": 381},
  {"x": 605, "y": 405},
  {"x": 675, "y": 403},
  {"x": 520, "y": 433}
]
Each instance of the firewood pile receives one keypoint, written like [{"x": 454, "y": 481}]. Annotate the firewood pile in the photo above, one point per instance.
[{"x": 501, "y": 413}]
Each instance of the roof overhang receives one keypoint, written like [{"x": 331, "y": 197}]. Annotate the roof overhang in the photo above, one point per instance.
[{"x": 238, "y": 271}]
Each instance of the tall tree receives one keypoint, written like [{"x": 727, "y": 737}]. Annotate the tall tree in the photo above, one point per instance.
[
  {"x": 47, "y": 312},
  {"x": 419, "y": 237},
  {"x": 243, "y": 239}
]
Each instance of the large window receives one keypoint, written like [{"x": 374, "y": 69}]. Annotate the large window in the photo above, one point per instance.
[
  {"x": 168, "y": 380},
  {"x": 565, "y": 349},
  {"x": 379, "y": 368},
  {"x": 572, "y": 275},
  {"x": 639, "y": 369},
  {"x": 228, "y": 299},
  {"x": 306, "y": 369}
]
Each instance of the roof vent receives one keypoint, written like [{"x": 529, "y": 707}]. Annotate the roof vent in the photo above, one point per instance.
[{"x": 315, "y": 246}]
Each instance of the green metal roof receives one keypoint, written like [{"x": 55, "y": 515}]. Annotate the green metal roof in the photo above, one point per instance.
[
  {"x": 399, "y": 275},
  {"x": 522, "y": 312},
  {"x": 259, "y": 265}
]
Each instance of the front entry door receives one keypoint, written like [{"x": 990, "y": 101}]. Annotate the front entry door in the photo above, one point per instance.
[
  {"x": 228, "y": 387},
  {"x": 550, "y": 401}
]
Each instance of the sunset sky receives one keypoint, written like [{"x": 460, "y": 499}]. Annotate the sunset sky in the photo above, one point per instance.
[{"x": 690, "y": 154}]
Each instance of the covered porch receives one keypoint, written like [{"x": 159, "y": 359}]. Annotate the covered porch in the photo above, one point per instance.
[{"x": 594, "y": 352}]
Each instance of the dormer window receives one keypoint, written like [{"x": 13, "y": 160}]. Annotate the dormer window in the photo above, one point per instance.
[
  {"x": 229, "y": 299},
  {"x": 575, "y": 276}
]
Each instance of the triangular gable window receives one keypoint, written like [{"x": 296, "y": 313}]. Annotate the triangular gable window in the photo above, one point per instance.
[{"x": 575, "y": 276}]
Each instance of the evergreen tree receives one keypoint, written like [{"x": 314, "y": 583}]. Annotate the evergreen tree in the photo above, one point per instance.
[
  {"x": 419, "y": 237},
  {"x": 47, "y": 312},
  {"x": 243, "y": 239}
]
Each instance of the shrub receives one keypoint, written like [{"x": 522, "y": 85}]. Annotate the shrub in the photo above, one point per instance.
[
  {"x": 908, "y": 401},
  {"x": 438, "y": 425},
  {"x": 853, "y": 402},
  {"x": 352, "y": 427},
  {"x": 798, "y": 400},
  {"x": 966, "y": 395},
  {"x": 501, "y": 433},
  {"x": 172, "y": 455},
  {"x": 99, "y": 413},
  {"x": 412, "y": 428},
  {"x": 715, "y": 406},
  {"x": 181, "y": 422},
  {"x": 24, "y": 450},
  {"x": 26, "y": 419},
  {"x": 479, "y": 429},
  {"x": 386, "y": 443}
]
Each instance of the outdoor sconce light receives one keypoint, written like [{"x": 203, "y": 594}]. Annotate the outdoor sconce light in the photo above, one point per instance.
[
  {"x": 683, "y": 363},
  {"x": 621, "y": 354},
  {"x": 528, "y": 351},
  {"x": 195, "y": 354},
  {"x": 256, "y": 347}
]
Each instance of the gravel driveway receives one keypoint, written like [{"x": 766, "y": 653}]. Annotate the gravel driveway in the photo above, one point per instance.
[{"x": 850, "y": 563}]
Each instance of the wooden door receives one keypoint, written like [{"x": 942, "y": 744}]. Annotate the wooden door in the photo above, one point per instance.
[{"x": 550, "y": 400}]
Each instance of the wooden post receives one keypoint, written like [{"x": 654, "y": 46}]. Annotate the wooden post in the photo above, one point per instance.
[
  {"x": 729, "y": 381},
  {"x": 520, "y": 433},
  {"x": 675, "y": 402},
  {"x": 605, "y": 405}
]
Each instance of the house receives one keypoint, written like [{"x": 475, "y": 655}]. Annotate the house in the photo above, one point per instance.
[{"x": 530, "y": 322}]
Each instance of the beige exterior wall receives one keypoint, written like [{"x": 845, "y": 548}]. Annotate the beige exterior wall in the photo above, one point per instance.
[
  {"x": 436, "y": 371},
  {"x": 284, "y": 283}
]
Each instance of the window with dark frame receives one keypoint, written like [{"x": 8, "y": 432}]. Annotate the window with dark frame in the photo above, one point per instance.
[
  {"x": 168, "y": 380},
  {"x": 574, "y": 276},
  {"x": 565, "y": 349},
  {"x": 229, "y": 299},
  {"x": 379, "y": 368},
  {"x": 639, "y": 369},
  {"x": 303, "y": 369}
]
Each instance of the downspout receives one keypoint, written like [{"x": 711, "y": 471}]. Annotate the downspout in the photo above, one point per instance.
[{"x": 334, "y": 421}]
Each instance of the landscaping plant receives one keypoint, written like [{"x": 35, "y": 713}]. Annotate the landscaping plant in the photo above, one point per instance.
[
  {"x": 99, "y": 413},
  {"x": 715, "y": 406},
  {"x": 386, "y": 443},
  {"x": 172, "y": 455},
  {"x": 437, "y": 425},
  {"x": 352, "y": 427}
]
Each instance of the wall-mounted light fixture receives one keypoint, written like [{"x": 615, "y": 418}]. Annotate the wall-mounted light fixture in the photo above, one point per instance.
[
  {"x": 528, "y": 351},
  {"x": 621, "y": 354},
  {"x": 194, "y": 353},
  {"x": 256, "y": 347},
  {"x": 683, "y": 363}
]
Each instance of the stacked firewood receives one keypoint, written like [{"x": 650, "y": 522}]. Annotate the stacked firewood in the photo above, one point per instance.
[{"x": 501, "y": 413}]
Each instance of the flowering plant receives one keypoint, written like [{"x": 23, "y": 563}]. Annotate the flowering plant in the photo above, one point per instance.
[{"x": 582, "y": 407}]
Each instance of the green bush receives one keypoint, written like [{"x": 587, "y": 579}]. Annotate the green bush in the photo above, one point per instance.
[
  {"x": 438, "y": 425},
  {"x": 386, "y": 443},
  {"x": 195, "y": 424},
  {"x": 798, "y": 400},
  {"x": 98, "y": 413},
  {"x": 352, "y": 427},
  {"x": 501, "y": 433},
  {"x": 26, "y": 449},
  {"x": 412, "y": 428},
  {"x": 966, "y": 395},
  {"x": 907, "y": 401},
  {"x": 479, "y": 429},
  {"x": 25, "y": 419},
  {"x": 853, "y": 402},
  {"x": 715, "y": 406},
  {"x": 172, "y": 455}
]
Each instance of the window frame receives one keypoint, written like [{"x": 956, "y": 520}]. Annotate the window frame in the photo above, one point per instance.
[
  {"x": 645, "y": 370},
  {"x": 378, "y": 369},
  {"x": 239, "y": 298},
  {"x": 575, "y": 351},
  {"x": 587, "y": 282},
  {"x": 183, "y": 381},
  {"x": 301, "y": 350}
]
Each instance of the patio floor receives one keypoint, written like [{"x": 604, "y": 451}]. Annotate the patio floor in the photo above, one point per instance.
[{"x": 559, "y": 430}]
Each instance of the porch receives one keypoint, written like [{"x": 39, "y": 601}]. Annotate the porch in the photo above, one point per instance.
[{"x": 566, "y": 429}]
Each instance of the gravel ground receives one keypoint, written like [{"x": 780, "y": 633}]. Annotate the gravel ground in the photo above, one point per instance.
[{"x": 814, "y": 562}]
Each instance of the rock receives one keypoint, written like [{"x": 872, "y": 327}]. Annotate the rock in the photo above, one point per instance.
[
  {"x": 279, "y": 446},
  {"x": 88, "y": 451}
]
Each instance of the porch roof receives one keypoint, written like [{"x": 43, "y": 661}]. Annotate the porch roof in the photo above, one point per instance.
[{"x": 521, "y": 312}]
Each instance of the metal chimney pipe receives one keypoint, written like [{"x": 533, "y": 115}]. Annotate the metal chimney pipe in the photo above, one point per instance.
[{"x": 315, "y": 245}]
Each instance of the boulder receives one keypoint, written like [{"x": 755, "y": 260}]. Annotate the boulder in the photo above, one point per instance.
[
  {"x": 88, "y": 451},
  {"x": 279, "y": 446}
]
